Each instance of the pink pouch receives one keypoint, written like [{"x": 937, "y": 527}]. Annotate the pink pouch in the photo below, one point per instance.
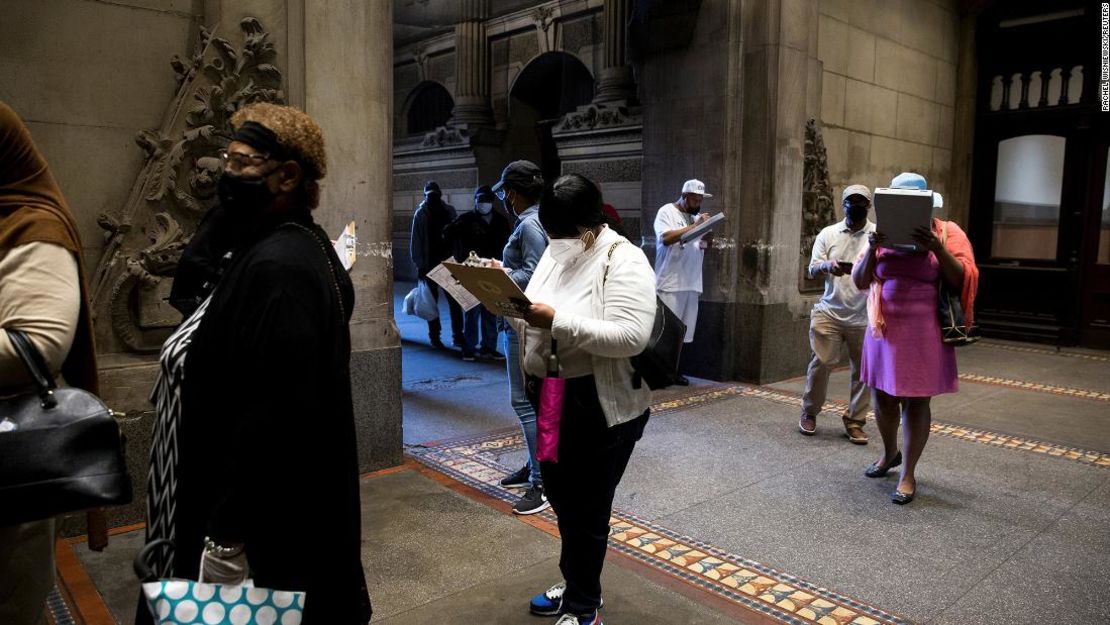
[
  {"x": 551, "y": 411},
  {"x": 547, "y": 421}
]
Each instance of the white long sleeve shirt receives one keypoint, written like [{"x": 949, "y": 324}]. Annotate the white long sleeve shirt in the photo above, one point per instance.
[{"x": 600, "y": 322}]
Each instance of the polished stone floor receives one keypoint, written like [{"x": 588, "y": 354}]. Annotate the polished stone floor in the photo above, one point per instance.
[{"x": 727, "y": 514}]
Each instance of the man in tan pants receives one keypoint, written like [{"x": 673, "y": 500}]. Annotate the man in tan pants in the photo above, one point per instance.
[{"x": 840, "y": 316}]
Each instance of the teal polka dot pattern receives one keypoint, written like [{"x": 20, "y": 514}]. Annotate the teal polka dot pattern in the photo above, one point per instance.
[{"x": 185, "y": 602}]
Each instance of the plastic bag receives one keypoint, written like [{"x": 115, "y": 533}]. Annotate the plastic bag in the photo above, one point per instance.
[{"x": 422, "y": 303}]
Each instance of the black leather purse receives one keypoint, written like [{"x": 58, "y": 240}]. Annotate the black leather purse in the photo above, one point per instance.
[
  {"x": 657, "y": 365},
  {"x": 60, "y": 448}
]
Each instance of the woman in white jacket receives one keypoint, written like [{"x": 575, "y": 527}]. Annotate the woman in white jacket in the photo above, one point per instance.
[{"x": 594, "y": 293}]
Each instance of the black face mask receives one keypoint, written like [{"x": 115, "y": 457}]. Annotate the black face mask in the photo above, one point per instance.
[
  {"x": 240, "y": 194},
  {"x": 856, "y": 213}
]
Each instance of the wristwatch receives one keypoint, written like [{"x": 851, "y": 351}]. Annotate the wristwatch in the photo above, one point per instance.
[{"x": 221, "y": 551}]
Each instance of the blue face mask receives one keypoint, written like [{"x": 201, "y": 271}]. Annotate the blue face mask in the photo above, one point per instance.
[{"x": 856, "y": 213}]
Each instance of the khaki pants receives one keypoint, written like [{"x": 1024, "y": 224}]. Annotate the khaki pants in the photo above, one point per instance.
[
  {"x": 26, "y": 571},
  {"x": 825, "y": 336}
]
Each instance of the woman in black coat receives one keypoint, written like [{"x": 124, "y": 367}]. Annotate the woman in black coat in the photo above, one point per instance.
[{"x": 253, "y": 465}]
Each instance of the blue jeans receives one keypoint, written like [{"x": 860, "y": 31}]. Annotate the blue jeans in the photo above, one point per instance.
[
  {"x": 519, "y": 399},
  {"x": 473, "y": 318}
]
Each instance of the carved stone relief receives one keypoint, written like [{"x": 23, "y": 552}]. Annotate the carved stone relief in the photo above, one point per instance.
[
  {"x": 144, "y": 238},
  {"x": 818, "y": 209},
  {"x": 593, "y": 116},
  {"x": 547, "y": 28},
  {"x": 420, "y": 57},
  {"x": 442, "y": 137}
]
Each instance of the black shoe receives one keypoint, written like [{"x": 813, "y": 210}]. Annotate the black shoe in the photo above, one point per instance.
[
  {"x": 490, "y": 354},
  {"x": 681, "y": 380},
  {"x": 876, "y": 471},
  {"x": 517, "y": 479},
  {"x": 437, "y": 343},
  {"x": 531, "y": 502},
  {"x": 468, "y": 357},
  {"x": 901, "y": 498}
]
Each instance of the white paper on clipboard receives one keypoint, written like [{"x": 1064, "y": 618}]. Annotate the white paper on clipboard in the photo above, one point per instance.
[
  {"x": 702, "y": 228},
  {"x": 493, "y": 287},
  {"x": 442, "y": 276},
  {"x": 898, "y": 212}
]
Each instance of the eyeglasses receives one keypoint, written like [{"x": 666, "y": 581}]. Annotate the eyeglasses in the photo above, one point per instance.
[
  {"x": 239, "y": 160},
  {"x": 500, "y": 193}
]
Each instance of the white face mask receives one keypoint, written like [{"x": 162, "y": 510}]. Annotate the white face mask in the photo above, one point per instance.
[
  {"x": 483, "y": 208},
  {"x": 564, "y": 251}
]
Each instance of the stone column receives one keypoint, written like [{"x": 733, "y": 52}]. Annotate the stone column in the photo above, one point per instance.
[
  {"x": 958, "y": 201},
  {"x": 770, "y": 321},
  {"x": 351, "y": 97},
  {"x": 472, "y": 106},
  {"x": 616, "y": 84}
]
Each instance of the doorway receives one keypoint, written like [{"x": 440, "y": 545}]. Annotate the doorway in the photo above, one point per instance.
[{"x": 1038, "y": 219}]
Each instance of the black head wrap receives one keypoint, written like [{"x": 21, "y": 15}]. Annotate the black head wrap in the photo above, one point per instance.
[{"x": 262, "y": 138}]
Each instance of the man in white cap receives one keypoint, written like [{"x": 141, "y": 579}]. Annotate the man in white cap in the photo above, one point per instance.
[
  {"x": 841, "y": 314},
  {"x": 678, "y": 265}
]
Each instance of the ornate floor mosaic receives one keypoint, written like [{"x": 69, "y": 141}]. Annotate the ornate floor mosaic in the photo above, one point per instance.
[
  {"x": 57, "y": 609},
  {"x": 778, "y": 595}
]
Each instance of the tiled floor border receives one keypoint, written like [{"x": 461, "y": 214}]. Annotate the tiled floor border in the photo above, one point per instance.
[
  {"x": 1047, "y": 352},
  {"x": 972, "y": 435},
  {"x": 775, "y": 594},
  {"x": 1036, "y": 386}
]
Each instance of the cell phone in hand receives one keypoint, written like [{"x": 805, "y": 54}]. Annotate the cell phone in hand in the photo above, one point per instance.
[{"x": 844, "y": 265}]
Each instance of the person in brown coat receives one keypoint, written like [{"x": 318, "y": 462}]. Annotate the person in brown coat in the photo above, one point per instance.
[{"x": 43, "y": 292}]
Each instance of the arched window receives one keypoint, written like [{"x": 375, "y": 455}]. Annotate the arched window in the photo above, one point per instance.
[{"x": 429, "y": 108}]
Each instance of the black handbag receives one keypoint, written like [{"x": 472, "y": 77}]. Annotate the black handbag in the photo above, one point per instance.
[
  {"x": 657, "y": 365},
  {"x": 60, "y": 448},
  {"x": 954, "y": 329}
]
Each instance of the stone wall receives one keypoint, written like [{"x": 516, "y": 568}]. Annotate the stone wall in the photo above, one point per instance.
[
  {"x": 888, "y": 89},
  {"x": 686, "y": 112},
  {"x": 86, "y": 76}
]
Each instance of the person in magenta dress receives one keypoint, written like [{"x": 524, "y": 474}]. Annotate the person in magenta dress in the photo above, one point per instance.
[{"x": 904, "y": 360}]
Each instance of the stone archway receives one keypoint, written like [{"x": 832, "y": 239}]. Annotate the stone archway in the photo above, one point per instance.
[{"x": 550, "y": 86}]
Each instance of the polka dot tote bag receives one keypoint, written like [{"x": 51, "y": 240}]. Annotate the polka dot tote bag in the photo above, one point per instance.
[{"x": 185, "y": 602}]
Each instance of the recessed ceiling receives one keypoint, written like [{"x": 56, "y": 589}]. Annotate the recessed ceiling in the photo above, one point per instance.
[{"x": 414, "y": 20}]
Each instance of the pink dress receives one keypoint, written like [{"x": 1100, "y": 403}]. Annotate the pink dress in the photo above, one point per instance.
[{"x": 909, "y": 360}]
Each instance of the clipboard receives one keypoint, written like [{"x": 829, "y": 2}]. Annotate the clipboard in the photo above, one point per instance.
[
  {"x": 493, "y": 287},
  {"x": 702, "y": 228},
  {"x": 898, "y": 212}
]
